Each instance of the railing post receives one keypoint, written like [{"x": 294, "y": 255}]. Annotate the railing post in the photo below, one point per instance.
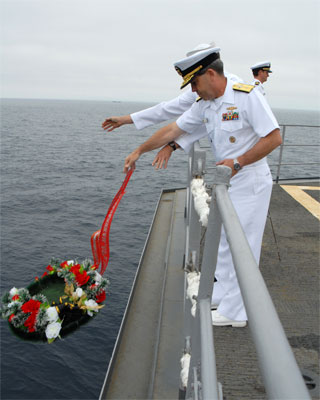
[
  {"x": 193, "y": 234},
  {"x": 193, "y": 229},
  {"x": 210, "y": 389},
  {"x": 188, "y": 209},
  {"x": 210, "y": 255},
  {"x": 197, "y": 162},
  {"x": 280, "y": 154}
]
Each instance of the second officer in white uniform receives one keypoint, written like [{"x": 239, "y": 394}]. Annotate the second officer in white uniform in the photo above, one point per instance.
[{"x": 261, "y": 71}]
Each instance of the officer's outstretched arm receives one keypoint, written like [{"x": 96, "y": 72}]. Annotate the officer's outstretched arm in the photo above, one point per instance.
[
  {"x": 158, "y": 139},
  {"x": 112, "y": 123}
]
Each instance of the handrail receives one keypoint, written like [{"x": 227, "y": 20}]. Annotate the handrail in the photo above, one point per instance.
[
  {"x": 275, "y": 355},
  {"x": 301, "y": 125},
  {"x": 210, "y": 388},
  {"x": 286, "y": 145}
]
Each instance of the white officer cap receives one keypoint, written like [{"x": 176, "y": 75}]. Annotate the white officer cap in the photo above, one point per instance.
[
  {"x": 191, "y": 66},
  {"x": 264, "y": 65},
  {"x": 200, "y": 47}
]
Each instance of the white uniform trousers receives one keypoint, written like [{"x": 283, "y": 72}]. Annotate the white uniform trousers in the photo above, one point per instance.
[{"x": 250, "y": 194}]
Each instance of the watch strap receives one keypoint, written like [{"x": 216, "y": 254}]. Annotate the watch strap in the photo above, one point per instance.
[
  {"x": 172, "y": 145},
  {"x": 236, "y": 164}
]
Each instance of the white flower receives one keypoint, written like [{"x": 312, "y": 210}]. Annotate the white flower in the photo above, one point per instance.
[
  {"x": 91, "y": 306},
  {"x": 13, "y": 291},
  {"x": 79, "y": 292},
  {"x": 185, "y": 365},
  {"x": 11, "y": 304},
  {"x": 52, "y": 314},
  {"x": 70, "y": 262},
  {"x": 53, "y": 330},
  {"x": 97, "y": 277}
]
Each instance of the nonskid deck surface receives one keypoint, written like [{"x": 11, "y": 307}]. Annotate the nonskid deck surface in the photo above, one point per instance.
[{"x": 147, "y": 362}]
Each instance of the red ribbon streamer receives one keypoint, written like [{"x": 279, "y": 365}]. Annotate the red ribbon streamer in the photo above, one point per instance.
[{"x": 100, "y": 238}]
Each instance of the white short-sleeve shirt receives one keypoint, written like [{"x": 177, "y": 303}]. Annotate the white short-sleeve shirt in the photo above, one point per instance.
[
  {"x": 234, "y": 122},
  {"x": 258, "y": 86}
]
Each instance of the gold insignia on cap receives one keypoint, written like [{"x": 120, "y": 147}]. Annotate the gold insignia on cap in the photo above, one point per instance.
[
  {"x": 242, "y": 87},
  {"x": 232, "y": 139},
  {"x": 187, "y": 78}
]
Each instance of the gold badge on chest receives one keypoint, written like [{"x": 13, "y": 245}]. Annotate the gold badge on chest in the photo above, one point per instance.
[{"x": 232, "y": 139}]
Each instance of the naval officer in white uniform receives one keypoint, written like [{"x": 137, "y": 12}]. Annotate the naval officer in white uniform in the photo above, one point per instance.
[
  {"x": 261, "y": 71},
  {"x": 242, "y": 130}
]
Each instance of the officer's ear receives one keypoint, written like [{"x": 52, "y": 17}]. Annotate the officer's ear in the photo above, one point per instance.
[{"x": 212, "y": 73}]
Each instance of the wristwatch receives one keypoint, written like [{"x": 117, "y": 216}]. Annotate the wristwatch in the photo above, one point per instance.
[
  {"x": 236, "y": 164},
  {"x": 172, "y": 145}
]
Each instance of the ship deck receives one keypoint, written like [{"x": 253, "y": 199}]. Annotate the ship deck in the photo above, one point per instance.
[{"x": 146, "y": 358}]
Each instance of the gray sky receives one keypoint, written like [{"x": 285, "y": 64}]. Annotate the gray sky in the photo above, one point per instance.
[{"x": 125, "y": 49}]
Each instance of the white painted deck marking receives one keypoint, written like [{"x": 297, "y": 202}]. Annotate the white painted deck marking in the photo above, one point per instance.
[{"x": 298, "y": 193}]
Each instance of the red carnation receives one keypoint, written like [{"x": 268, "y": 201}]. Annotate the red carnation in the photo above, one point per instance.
[
  {"x": 64, "y": 264},
  {"x": 75, "y": 269},
  {"x": 30, "y": 322},
  {"x": 44, "y": 274},
  {"x": 15, "y": 297},
  {"x": 82, "y": 279},
  {"x": 10, "y": 318},
  {"x": 32, "y": 307},
  {"x": 101, "y": 296},
  {"x": 49, "y": 268}
]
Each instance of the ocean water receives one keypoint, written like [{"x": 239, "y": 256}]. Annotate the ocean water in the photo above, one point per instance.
[{"x": 59, "y": 174}]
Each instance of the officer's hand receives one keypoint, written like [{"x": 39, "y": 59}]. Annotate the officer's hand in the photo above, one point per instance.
[
  {"x": 130, "y": 161},
  {"x": 228, "y": 162},
  {"x": 162, "y": 157},
  {"x": 115, "y": 122}
]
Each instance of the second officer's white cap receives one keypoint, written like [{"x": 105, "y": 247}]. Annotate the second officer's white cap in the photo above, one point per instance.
[{"x": 264, "y": 65}]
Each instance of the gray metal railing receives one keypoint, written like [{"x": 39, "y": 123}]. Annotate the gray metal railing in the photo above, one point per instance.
[
  {"x": 279, "y": 163},
  {"x": 280, "y": 372}
]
